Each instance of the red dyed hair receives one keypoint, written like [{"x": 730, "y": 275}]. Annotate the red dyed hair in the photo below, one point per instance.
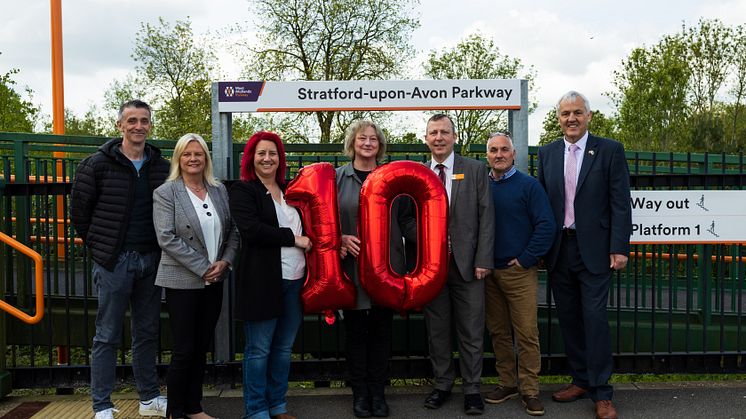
[{"x": 247, "y": 162}]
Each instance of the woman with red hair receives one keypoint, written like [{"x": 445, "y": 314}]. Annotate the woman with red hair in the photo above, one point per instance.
[{"x": 269, "y": 279}]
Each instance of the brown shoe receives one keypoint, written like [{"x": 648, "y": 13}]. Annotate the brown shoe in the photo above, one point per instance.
[
  {"x": 283, "y": 416},
  {"x": 605, "y": 410},
  {"x": 569, "y": 394},
  {"x": 501, "y": 394},
  {"x": 533, "y": 406}
]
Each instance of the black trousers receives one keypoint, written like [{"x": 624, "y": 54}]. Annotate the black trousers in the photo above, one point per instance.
[
  {"x": 368, "y": 348},
  {"x": 192, "y": 316},
  {"x": 581, "y": 298}
]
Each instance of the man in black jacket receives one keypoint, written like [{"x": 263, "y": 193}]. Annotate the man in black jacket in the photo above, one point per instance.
[{"x": 112, "y": 211}]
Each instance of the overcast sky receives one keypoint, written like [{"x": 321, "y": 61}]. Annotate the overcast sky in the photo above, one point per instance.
[{"x": 571, "y": 44}]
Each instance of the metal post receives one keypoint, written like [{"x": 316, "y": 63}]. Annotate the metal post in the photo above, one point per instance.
[
  {"x": 222, "y": 154},
  {"x": 518, "y": 126},
  {"x": 222, "y": 139}
]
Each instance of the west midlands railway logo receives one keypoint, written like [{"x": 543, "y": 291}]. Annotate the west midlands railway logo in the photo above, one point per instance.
[{"x": 229, "y": 92}]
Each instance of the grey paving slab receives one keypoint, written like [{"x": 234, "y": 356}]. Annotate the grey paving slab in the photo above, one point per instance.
[{"x": 645, "y": 401}]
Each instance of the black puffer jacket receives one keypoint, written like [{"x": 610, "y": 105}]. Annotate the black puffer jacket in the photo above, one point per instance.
[{"x": 102, "y": 197}]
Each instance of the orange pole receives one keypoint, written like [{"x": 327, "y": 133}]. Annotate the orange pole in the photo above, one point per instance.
[
  {"x": 58, "y": 123},
  {"x": 58, "y": 84}
]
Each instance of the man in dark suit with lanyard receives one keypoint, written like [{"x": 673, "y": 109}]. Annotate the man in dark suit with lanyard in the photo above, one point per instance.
[
  {"x": 587, "y": 180},
  {"x": 459, "y": 307}
]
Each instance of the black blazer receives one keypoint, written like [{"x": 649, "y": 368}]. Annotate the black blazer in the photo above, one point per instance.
[
  {"x": 259, "y": 277},
  {"x": 603, "y": 215}
]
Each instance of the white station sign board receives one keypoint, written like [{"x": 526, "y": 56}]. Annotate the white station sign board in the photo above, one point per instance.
[
  {"x": 688, "y": 216},
  {"x": 390, "y": 95}
]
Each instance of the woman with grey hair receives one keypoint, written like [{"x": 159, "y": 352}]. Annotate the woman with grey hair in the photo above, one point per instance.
[
  {"x": 199, "y": 242},
  {"x": 368, "y": 326}
]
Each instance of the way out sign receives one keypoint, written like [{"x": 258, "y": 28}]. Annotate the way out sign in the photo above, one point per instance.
[{"x": 688, "y": 217}]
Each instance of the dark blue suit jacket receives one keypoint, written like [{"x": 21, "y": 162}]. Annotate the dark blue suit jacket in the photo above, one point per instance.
[{"x": 603, "y": 215}]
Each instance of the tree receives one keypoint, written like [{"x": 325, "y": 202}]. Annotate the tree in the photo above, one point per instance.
[
  {"x": 476, "y": 57},
  {"x": 673, "y": 96},
  {"x": 331, "y": 40},
  {"x": 651, "y": 97},
  {"x": 173, "y": 74},
  {"x": 600, "y": 125},
  {"x": 16, "y": 113},
  {"x": 738, "y": 90},
  {"x": 91, "y": 123}
]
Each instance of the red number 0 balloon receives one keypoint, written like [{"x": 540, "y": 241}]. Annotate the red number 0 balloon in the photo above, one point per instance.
[
  {"x": 314, "y": 192},
  {"x": 386, "y": 287}
]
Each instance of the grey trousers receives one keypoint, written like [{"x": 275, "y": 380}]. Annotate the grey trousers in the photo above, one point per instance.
[{"x": 459, "y": 305}]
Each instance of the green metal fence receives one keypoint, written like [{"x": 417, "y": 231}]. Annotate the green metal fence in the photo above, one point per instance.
[{"x": 675, "y": 308}]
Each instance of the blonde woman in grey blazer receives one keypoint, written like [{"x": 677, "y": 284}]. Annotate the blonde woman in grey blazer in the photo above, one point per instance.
[{"x": 199, "y": 242}]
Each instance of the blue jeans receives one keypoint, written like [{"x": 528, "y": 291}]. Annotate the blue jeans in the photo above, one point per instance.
[
  {"x": 130, "y": 283},
  {"x": 266, "y": 361}
]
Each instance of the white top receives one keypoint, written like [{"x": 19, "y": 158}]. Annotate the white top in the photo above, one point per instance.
[
  {"x": 209, "y": 222},
  {"x": 293, "y": 259},
  {"x": 579, "y": 153},
  {"x": 448, "y": 163}
]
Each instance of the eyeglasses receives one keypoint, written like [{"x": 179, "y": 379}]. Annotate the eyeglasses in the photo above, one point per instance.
[{"x": 363, "y": 140}]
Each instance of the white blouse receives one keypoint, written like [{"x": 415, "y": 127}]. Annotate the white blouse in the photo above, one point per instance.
[
  {"x": 293, "y": 259},
  {"x": 209, "y": 222}
]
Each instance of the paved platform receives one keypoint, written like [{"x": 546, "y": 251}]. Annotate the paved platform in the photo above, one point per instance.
[{"x": 695, "y": 400}]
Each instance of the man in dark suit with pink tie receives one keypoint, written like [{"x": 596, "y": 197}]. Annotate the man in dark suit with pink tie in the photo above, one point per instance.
[{"x": 587, "y": 180}]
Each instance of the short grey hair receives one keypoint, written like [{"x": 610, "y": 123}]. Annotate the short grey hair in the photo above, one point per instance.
[{"x": 571, "y": 96}]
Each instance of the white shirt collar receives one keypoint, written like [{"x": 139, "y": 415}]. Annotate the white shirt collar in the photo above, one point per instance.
[
  {"x": 581, "y": 142},
  {"x": 448, "y": 162}
]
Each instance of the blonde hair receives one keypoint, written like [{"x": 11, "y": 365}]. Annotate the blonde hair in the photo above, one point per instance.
[
  {"x": 354, "y": 129},
  {"x": 179, "y": 148}
]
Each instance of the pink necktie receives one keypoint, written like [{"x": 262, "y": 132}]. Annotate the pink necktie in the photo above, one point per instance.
[{"x": 571, "y": 170}]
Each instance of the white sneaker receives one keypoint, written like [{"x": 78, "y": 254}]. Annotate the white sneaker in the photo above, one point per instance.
[
  {"x": 154, "y": 407},
  {"x": 106, "y": 414}
]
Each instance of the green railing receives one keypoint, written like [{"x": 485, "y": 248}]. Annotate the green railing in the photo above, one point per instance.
[{"x": 673, "y": 302}]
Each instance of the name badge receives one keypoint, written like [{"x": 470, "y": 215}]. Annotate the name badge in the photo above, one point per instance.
[{"x": 457, "y": 176}]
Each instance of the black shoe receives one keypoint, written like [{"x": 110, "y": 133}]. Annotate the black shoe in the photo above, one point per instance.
[
  {"x": 473, "y": 404},
  {"x": 361, "y": 406},
  {"x": 436, "y": 398},
  {"x": 379, "y": 406}
]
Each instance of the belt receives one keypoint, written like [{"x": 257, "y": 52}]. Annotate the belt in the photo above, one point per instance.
[{"x": 569, "y": 232}]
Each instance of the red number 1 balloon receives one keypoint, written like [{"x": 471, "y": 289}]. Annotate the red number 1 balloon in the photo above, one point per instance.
[
  {"x": 327, "y": 288},
  {"x": 386, "y": 287}
]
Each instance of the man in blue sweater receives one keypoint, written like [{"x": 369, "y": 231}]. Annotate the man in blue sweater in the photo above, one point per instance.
[{"x": 524, "y": 232}]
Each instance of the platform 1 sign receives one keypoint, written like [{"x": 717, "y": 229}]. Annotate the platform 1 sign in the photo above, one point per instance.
[
  {"x": 688, "y": 217},
  {"x": 391, "y": 95}
]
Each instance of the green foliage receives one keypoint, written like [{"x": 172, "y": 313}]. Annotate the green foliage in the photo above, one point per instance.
[
  {"x": 17, "y": 114},
  {"x": 406, "y": 138},
  {"x": 177, "y": 71},
  {"x": 652, "y": 97},
  {"x": 600, "y": 125},
  {"x": 330, "y": 40},
  {"x": 477, "y": 57},
  {"x": 172, "y": 73},
  {"x": 736, "y": 117},
  {"x": 673, "y": 96}
]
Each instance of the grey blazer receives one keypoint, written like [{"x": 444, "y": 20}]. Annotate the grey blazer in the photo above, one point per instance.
[
  {"x": 184, "y": 256},
  {"x": 471, "y": 217}
]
